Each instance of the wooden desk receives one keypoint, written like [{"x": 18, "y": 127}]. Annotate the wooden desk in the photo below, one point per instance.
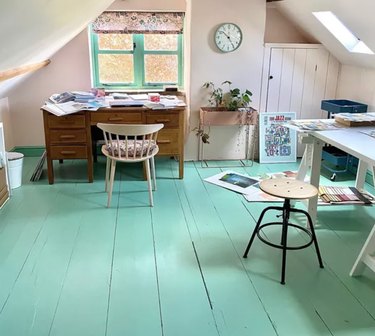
[{"x": 69, "y": 137}]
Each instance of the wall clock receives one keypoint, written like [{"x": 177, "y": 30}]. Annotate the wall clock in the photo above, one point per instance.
[{"x": 228, "y": 37}]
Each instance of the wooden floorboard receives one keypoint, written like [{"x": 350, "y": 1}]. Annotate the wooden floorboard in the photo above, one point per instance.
[{"x": 71, "y": 266}]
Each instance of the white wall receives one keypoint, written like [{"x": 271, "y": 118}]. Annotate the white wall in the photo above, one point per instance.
[
  {"x": 33, "y": 30},
  {"x": 358, "y": 84},
  {"x": 243, "y": 66},
  {"x": 281, "y": 30}
]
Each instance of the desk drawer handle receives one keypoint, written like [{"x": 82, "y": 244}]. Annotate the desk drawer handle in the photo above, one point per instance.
[
  {"x": 68, "y": 152},
  {"x": 163, "y": 120},
  {"x": 115, "y": 119},
  {"x": 163, "y": 141},
  {"x": 67, "y": 122},
  {"x": 67, "y": 136}
]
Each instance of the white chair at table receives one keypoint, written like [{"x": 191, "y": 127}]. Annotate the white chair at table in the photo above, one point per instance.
[{"x": 130, "y": 143}]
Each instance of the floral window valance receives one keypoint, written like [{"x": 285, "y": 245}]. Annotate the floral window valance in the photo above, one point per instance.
[{"x": 120, "y": 22}]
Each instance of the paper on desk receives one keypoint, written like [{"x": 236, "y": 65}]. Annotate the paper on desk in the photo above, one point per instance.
[{"x": 72, "y": 107}]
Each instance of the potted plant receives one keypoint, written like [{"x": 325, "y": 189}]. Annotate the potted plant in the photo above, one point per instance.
[
  {"x": 222, "y": 104},
  {"x": 231, "y": 100}
]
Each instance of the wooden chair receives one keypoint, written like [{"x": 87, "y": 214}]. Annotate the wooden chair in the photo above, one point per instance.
[{"x": 129, "y": 143}]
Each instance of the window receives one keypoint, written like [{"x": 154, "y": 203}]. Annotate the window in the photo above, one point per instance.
[
  {"x": 146, "y": 55},
  {"x": 342, "y": 33}
]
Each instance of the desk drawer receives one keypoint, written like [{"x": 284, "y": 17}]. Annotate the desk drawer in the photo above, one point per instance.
[
  {"x": 70, "y": 121},
  {"x": 168, "y": 141},
  {"x": 68, "y": 152},
  {"x": 116, "y": 118},
  {"x": 67, "y": 136},
  {"x": 170, "y": 120}
]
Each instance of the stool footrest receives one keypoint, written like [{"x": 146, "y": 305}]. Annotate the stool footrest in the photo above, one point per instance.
[{"x": 280, "y": 246}]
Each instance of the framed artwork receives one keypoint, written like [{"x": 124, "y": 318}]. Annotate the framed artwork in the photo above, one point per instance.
[{"x": 277, "y": 143}]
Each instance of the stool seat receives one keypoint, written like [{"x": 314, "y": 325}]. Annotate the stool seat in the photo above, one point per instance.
[{"x": 288, "y": 188}]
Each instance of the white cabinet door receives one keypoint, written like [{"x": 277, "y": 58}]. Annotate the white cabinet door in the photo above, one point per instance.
[{"x": 296, "y": 78}]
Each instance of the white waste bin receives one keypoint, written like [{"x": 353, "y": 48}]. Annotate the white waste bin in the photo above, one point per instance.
[{"x": 15, "y": 162}]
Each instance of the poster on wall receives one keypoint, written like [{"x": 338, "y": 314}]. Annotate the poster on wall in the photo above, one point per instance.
[{"x": 277, "y": 143}]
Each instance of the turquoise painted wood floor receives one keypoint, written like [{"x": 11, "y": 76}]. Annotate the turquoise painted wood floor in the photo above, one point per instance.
[{"x": 70, "y": 266}]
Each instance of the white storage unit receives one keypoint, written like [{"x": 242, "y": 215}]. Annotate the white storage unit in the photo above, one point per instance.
[{"x": 296, "y": 78}]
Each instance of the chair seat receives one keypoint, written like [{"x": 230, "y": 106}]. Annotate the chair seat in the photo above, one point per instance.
[
  {"x": 288, "y": 188},
  {"x": 131, "y": 148}
]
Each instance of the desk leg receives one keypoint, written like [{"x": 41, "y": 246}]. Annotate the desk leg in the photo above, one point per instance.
[
  {"x": 90, "y": 169},
  {"x": 315, "y": 177},
  {"x": 305, "y": 162},
  {"x": 51, "y": 176},
  {"x": 181, "y": 166},
  {"x": 365, "y": 258},
  {"x": 361, "y": 175}
]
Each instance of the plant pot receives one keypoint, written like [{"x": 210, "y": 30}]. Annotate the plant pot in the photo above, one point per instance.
[{"x": 219, "y": 116}]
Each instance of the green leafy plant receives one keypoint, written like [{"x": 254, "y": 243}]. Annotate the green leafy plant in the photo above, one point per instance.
[
  {"x": 216, "y": 96},
  {"x": 235, "y": 99},
  {"x": 232, "y": 99}
]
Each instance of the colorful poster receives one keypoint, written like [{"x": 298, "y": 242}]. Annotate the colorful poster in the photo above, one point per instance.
[{"x": 277, "y": 142}]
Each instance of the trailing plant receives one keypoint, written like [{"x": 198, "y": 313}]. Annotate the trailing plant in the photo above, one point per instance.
[{"x": 200, "y": 133}]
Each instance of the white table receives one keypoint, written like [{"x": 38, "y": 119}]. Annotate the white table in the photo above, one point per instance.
[{"x": 355, "y": 143}]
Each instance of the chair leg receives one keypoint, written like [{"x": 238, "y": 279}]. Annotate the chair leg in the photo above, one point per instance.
[
  {"x": 113, "y": 170},
  {"x": 284, "y": 241},
  {"x": 313, "y": 235},
  {"x": 255, "y": 232},
  {"x": 153, "y": 175},
  {"x": 107, "y": 170},
  {"x": 147, "y": 162}
]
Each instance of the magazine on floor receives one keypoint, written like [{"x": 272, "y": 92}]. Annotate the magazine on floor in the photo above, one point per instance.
[{"x": 232, "y": 180}]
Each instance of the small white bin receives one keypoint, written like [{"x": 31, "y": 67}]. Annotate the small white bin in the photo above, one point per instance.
[{"x": 15, "y": 162}]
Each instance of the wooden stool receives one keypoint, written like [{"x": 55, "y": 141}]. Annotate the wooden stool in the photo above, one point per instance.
[{"x": 288, "y": 189}]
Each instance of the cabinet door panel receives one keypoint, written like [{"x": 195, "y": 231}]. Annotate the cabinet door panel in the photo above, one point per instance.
[
  {"x": 321, "y": 71},
  {"x": 298, "y": 80},
  {"x": 274, "y": 80},
  {"x": 287, "y": 71}
]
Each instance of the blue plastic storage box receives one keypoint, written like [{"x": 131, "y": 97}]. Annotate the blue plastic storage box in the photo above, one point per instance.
[{"x": 343, "y": 106}]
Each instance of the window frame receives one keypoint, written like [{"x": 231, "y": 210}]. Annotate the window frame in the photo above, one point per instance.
[{"x": 138, "y": 60}]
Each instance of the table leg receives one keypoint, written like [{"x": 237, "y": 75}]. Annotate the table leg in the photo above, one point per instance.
[
  {"x": 365, "y": 257},
  {"x": 51, "y": 177},
  {"x": 361, "y": 175}
]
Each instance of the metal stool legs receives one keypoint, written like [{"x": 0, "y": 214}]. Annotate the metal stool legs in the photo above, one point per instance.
[{"x": 286, "y": 210}]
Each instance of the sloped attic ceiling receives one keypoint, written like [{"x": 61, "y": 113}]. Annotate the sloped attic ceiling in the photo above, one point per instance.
[
  {"x": 358, "y": 16},
  {"x": 32, "y": 31}
]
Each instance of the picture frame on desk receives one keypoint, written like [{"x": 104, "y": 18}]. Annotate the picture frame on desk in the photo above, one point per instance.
[{"x": 277, "y": 142}]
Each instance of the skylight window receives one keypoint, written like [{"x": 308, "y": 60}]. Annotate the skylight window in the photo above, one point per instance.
[{"x": 342, "y": 33}]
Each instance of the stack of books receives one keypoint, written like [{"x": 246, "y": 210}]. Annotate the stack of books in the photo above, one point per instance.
[
  {"x": 83, "y": 96},
  {"x": 59, "y": 98}
]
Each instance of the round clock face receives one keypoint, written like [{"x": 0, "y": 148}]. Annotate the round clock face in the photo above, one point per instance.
[{"x": 228, "y": 37}]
